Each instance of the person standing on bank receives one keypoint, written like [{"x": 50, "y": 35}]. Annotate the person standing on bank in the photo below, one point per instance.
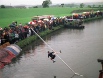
[{"x": 52, "y": 55}]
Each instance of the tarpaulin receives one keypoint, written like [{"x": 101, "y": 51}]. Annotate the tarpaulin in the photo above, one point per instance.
[{"x": 8, "y": 53}]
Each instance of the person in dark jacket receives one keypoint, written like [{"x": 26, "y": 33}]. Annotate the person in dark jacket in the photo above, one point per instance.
[{"x": 52, "y": 55}]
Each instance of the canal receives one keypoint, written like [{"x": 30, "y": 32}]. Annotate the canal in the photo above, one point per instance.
[{"x": 80, "y": 50}]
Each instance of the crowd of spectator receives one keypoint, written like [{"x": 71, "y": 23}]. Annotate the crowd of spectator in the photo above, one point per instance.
[{"x": 16, "y": 32}]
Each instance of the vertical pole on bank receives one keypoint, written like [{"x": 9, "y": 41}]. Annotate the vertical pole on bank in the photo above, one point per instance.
[
  {"x": 58, "y": 55},
  {"x": 101, "y": 71}
]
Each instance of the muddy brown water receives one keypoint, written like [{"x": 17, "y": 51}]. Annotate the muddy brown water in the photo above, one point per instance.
[{"x": 80, "y": 50}]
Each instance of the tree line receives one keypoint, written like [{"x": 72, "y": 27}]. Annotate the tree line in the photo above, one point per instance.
[{"x": 47, "y": 3}]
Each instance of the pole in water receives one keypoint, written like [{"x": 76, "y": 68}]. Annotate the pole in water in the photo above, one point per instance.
[
  {"x": 59, "y": 56},
  {"x": 76, "y": 74},
  {"x": 54, "y": 76},
  {"x": 101, "y": 71}
]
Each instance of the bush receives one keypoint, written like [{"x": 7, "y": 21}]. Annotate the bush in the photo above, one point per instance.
[
  {"x": 35, "y": 7},
  {"x": 2, "y": 6}
]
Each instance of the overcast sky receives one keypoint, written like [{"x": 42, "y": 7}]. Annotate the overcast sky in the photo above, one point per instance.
[{"x": 39, "y": 2}]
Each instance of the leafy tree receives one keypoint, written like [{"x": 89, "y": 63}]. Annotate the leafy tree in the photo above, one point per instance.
[
  {"x": 2, "y": 6},
  {"x": 81, "y": 5},
  {"x": 93, "y": 5},
  {"x": 99, "y": 6},
  {"x": 49, "y": 1},
  {"x": 71, "y": 5},
  {"x": 35, "y": 6},
  {"x": 46, "y": 3},
  {"x": 62, "y": 5},
  {"x": 89, "y": 6}
]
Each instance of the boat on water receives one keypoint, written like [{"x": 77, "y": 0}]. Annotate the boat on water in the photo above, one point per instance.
[
  {"x": 7, "y": 53},
  {"x": 74, "y": 24}
]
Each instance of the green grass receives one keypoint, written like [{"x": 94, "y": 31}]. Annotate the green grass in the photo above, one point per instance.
[{"x": 24, "y": 15}]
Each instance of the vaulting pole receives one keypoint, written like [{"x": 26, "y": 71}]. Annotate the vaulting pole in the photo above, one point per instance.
[{"x": 58, "y": 56}]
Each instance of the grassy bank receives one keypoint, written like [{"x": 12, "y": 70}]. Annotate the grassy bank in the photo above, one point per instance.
[
  {"x": 93, "y": 19},
  {"x": 29, "y": 40}
]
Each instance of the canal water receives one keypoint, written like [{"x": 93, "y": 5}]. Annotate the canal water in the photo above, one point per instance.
[{"x": 80, "y": 50}]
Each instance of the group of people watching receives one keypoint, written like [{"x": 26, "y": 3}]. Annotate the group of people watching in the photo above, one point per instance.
[
  {"x": 86, "y": 15},
  {"x": 16, "y": 32}
]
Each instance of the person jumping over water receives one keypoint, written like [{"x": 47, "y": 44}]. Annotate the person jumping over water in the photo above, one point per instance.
[{"x": 52, "y": 55}]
